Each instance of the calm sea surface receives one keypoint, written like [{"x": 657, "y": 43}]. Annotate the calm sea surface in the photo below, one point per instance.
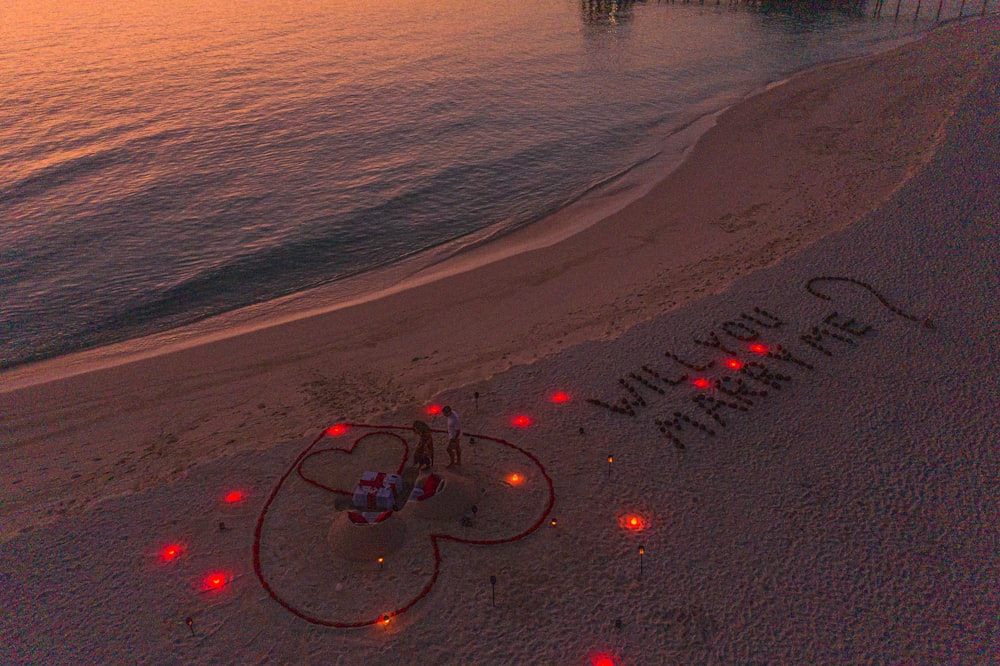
[{"x": 161, "y": 162}]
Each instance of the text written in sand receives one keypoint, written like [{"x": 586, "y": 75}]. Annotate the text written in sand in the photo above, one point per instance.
[{"x": 743, "y": 384}]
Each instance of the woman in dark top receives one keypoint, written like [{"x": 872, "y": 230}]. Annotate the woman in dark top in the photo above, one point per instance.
[{"x": 423, "y": 457}]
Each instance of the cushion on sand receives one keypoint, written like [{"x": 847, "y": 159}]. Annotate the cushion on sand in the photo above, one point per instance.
[{"x": 431, "y": 485}]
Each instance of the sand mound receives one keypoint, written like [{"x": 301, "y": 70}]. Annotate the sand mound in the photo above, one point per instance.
[
  {"x": 453, "y": 499},
  {"x": 363, "y": 543}
]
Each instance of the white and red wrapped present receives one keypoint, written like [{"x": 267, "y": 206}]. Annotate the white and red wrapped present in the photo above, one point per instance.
[
  {"x": 364, "y": 497},
  {"x": 371, "y": 498},
  {"x": 385, "y": 498},
  {"x": 382, "y": 480}
]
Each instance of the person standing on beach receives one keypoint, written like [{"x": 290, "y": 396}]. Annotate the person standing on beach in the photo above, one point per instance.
[
  {"x": 423, "y": 457},
  {"x": 454, "y": 432}
]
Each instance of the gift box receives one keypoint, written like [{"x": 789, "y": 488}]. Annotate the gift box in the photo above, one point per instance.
[
  {"x": 385, "y": 499},
  {"x": 367, "y": 497},
  {"x": 382, "y": 480},
  {"x": 364, "y": 497}
]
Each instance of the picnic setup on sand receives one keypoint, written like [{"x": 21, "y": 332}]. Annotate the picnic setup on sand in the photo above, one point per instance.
[{"x": 349, "y": 536}]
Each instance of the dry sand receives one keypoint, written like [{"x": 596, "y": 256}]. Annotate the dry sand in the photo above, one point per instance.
[{"x": 848, "y": 516}]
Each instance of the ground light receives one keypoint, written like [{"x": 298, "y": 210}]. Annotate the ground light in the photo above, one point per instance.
[
  {"x": 335, "y": 429},
  {"x": 515, "y": 479},
  {"x": 521, "y": 421},
  {"x": 559, "y": 397},
  {"x": 734, "y": 364},
  {"x": 234, "y": 496},
  {"x": 633, "y": 522},
  {"x": 171, "y": 552},
  {"x": 215, "y": 580},
  {"x": 701, "y": 383},
  {"x": 433, "y": 410},
  {"x": 602, "y": 659},
  {"x": 758, "y": 348}
]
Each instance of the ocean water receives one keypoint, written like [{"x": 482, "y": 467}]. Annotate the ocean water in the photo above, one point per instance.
[{"x": 164, "y": 162}]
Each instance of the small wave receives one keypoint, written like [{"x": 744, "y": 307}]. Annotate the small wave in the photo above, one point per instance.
[{"x": 71, "y": 169}]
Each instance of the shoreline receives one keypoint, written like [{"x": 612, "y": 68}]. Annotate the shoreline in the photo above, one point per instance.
[
  {"x": 459, "y": 256},
  {"x": 452, "y": 258},
  {"x": 826, "y": 166}
]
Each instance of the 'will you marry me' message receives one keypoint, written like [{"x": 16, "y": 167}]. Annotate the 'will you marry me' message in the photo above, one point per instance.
[{"x": 711, "y": 404}]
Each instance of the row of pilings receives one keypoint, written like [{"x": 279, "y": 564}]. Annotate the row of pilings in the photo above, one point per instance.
[
  {"x": 620, "y": 9},
  {"x": 880, "y": 4}
]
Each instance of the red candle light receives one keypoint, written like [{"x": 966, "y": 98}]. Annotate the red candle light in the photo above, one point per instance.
[
  {"x": 171, "y": 552},
  {"x": 215, "y": 580},
  {"x": 336, "y": 429},
  {"x": 234, "y": 496},
  {"x": 633, "y": 522},
  {"x": 559, "y": 397},
  {"x": 758, "y": 348},
  {"x": 602, "y": 660},
  {"x": 433, "y": 410},
  {"x": 701, "y": 383},
  {"x": 734, "y": 364},
  {"x": 521, "y": 421},
  {"x": 515, "y": 479}
]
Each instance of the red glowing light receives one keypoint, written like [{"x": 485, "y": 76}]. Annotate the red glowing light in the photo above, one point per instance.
[
  {"x": 385, "y": 618},
  {"x": 215, "y": 581},
  {"x": 560, "y": 397},
  {"x": 433, "y": 410},
  {"x": 758, "y": 348},
  {"x": 521, "y": 421},
  {"x": 702, "y": 383},
  {"x": 633, "y": 522},
  {"x": 603, "y": 660},
  {"x": 735, "y": 364},
  {"x": 171, "y": 552},
  {"x": 515, "y": 479},
  {"x": 234, "y": 496},
  {"x": 336, "y": 429}
]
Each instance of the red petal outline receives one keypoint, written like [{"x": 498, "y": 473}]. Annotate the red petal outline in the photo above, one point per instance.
[{"x": 434, "y": 537}]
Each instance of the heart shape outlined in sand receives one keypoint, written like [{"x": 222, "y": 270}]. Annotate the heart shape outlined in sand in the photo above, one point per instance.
[
  {"x": 434, "y": 536},
  {"x": 349, "y": 451}
]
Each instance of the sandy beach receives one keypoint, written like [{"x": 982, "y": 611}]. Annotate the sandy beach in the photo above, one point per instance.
[{"x": 787, "y": 348}]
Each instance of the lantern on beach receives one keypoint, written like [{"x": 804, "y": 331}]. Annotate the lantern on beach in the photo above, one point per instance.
[{"x": 633, "y": 522}]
